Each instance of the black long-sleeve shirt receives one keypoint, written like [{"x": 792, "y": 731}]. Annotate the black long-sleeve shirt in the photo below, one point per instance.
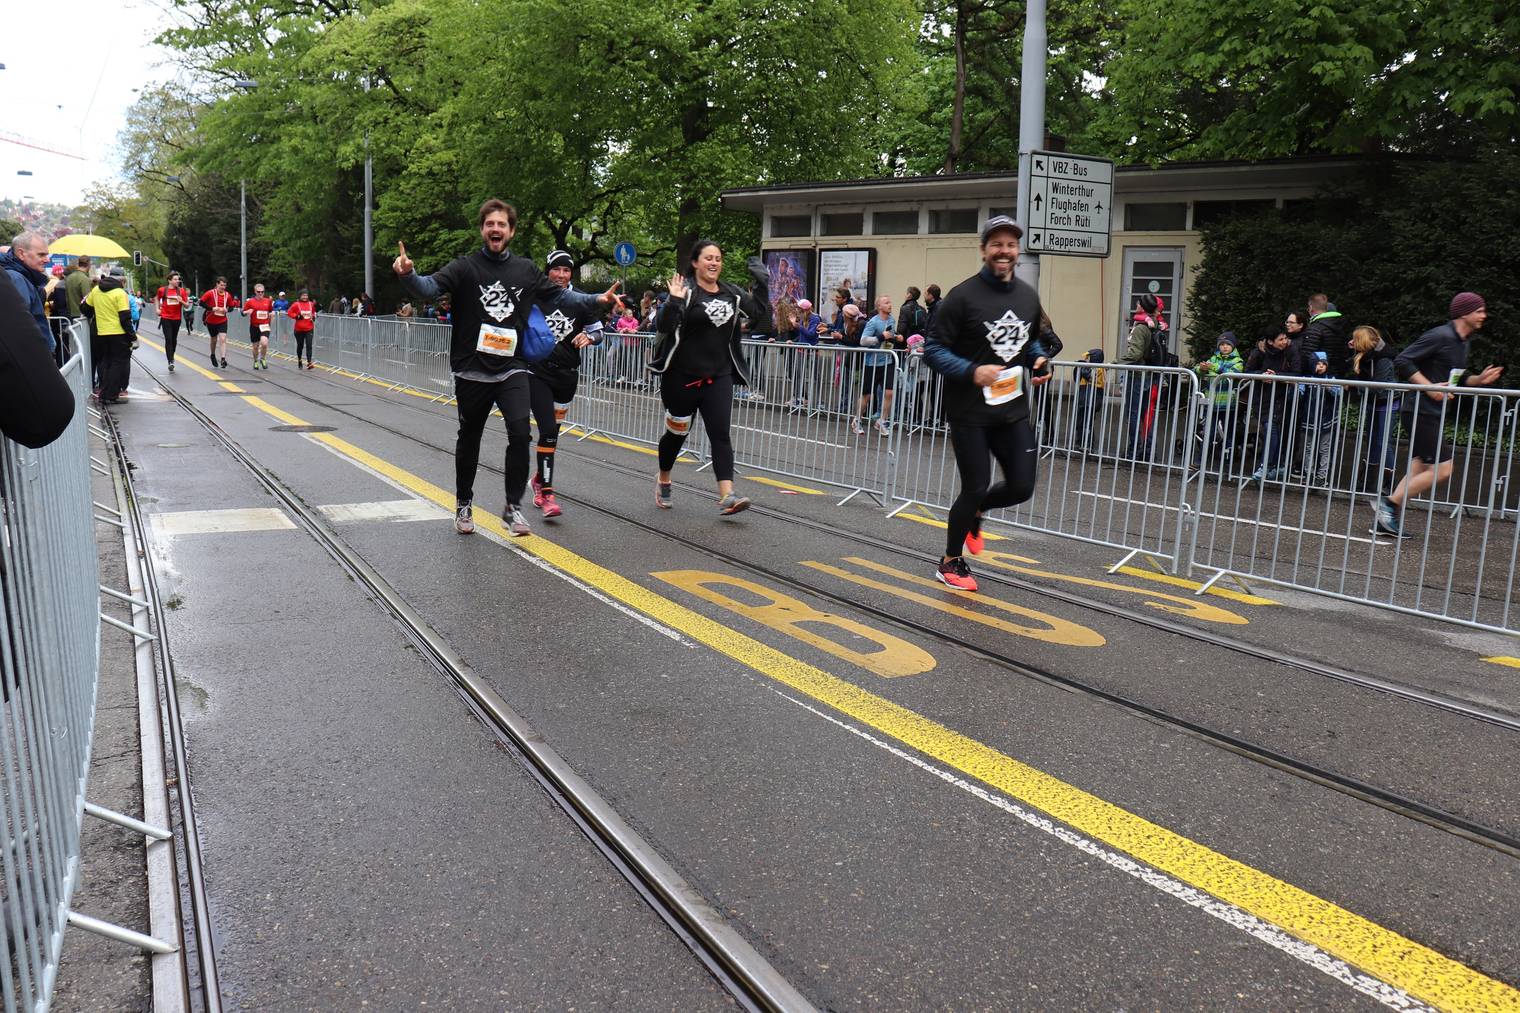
[
  {"x": 983, "y": 321},
  {"x": 1440, "y": 355},
  {"x": 491, "y": 294}
]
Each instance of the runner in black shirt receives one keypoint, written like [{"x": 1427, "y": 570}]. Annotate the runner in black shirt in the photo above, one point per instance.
[
  {"x": 985, "y": 342},
  {"x": 552, "y": 385},
  {"x": 699, "y": 358},
  {"x": 492, "y": 294}
]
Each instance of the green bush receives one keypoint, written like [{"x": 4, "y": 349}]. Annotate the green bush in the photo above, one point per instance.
[{"x": 1390, "y": 250}]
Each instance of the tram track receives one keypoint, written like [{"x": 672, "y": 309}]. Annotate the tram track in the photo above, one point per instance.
[
  {"x": 1364, "y": 680},
  {"x": 1388, "y": 799},
  {"x": 1361, "y": 790},
  {"x": 752, "y": 981},
  {"x": 198, "y": 935}
]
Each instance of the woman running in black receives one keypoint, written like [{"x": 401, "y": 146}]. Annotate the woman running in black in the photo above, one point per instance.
[{"x": 699, "y": 359}]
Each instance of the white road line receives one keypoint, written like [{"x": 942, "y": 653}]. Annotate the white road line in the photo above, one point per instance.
[
  {"x": 632, "y": 613},
  {"x": 1231, "y": 915},
  {"x": 216, "y": 522},
  {"x": 384, "y": 510},
  {"x": 785, "y": 436}
]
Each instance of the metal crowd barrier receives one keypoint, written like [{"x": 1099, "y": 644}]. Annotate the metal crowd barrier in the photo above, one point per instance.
[
  {"x": 1113, "y": 457},
  {"x": 49, "y": 662},
  {"x": 1136, "y": 458},
  {"x": 1290, "y": 472}
]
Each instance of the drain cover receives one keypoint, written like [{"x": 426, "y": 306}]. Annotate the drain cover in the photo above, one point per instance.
[{"x": 302, "y": 429}]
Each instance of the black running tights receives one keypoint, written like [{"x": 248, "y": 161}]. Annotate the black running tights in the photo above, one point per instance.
[
  {"x": 476, "y": 399},
  {"x": 1014, "y": 447},
  {"x": 683, "y": 397}
]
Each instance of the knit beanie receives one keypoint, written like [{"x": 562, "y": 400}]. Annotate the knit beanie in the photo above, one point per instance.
[{"x": 1464, "y": 303}]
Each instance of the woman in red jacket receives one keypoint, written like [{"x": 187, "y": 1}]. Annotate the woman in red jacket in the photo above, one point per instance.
[
  {"x": 218, "y": 302},
  {"x": 304, "y": 312}
]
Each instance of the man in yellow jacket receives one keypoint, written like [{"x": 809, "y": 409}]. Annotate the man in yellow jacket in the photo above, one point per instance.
[{"x": 108, "y": 306}]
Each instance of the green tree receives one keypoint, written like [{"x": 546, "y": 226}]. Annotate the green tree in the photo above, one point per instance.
[
  {"x": 1206, "y": 79},
  {"x": 1390, "y": 251}
]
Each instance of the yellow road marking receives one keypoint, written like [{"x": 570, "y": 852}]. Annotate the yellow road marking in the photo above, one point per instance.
[
  {"x": 1055, "y": 631},
  {"x": 935, "y": 522},
  {"x": 1380, "y": 952},
  {"x": 786, "y": 614},
  {"x": 202, "y": 370},
  {"x": 1173, "y": 603},
  {"x": 1193, "y": 585},
  {"x": 785, "y": 485},
  {"x": 1502, "y": 660},
  {"x": 234, "y": 388}
]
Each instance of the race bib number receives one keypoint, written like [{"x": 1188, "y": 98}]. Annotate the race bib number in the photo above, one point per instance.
[
  {"x": 172, "y": 300},
  {"x": 305, "y": 314},
  {"x": 1008, "y": 385},
  {"x": 497, "y": 340},
  {"x": 1456, "y": 377},
  {"x": 263, "y": 328}
]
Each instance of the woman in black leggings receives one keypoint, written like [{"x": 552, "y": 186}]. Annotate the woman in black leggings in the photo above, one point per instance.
[{"x": 699, "y": 358}]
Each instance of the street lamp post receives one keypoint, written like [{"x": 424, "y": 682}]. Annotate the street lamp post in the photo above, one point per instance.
[
  {"x": 369, "y": 200},
  {"x": 1031, "y": 123},
  {"x": 246, "y": 85}
]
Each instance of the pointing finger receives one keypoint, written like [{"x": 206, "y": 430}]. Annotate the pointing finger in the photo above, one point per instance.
[{"x": 402, "y": 247}]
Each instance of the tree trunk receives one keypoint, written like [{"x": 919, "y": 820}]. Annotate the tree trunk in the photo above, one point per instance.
[{"x": 958, "y": 108}]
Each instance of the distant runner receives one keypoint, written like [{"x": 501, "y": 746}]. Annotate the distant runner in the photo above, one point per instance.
[
  {"x": 172, "y": 300},
  {"x": 260, "y": 313},
  {"x": 218, "y": 303},
  {"x": 304, "y": 312}
]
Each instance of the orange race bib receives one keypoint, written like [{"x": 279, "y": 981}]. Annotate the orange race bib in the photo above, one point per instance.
[
  {"x": 1008, "y": 385},
  {"x": 495, "y": 340}
]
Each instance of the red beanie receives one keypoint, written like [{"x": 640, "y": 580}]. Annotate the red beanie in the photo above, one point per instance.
[{"x": 1464, "y": 303}]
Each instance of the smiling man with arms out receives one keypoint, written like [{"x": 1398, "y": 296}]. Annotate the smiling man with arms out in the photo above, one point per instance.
[{"x": 492, "y": 292}]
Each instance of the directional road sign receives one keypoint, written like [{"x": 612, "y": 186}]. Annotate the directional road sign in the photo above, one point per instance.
[
  {"x": 624, "y": 254},
  {"x": 1070, "y": 198}
]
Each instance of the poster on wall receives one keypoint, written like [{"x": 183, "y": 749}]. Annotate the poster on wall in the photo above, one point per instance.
[
  {"x": 791, "y": 274},
  {"x": 851, "y": 269}
]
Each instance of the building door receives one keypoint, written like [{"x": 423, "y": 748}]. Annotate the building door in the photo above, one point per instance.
[{"x": 1157, "y": 271}]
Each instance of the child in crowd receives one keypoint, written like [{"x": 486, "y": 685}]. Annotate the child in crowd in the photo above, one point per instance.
[{"x": 1219, "y": 424}]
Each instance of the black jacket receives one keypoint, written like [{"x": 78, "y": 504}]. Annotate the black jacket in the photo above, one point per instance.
[
  {"x": 1377, "y": 365},
  {"x": 1326, "y": 333},
  {"x": 35, "y": 401},
  {"x": 1287, "y": 362},
  {"x": 911, "y": 319},
  {"x": 499, "y": 291},
  {"x": 690, "y": 341},
  {"x": 1439, "y": 355},
  {"x": 983, "y": 321}
]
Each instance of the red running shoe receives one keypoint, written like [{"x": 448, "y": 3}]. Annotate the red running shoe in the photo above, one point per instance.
[
  {"x": 955, "y": 573},
  {"x": 550, "y": 504},
  {"x": 974, "y": 541},
  {"x": 538, "y": 491}
]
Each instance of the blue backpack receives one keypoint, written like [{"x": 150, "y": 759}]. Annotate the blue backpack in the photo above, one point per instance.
[{"x": 537, "y": 341}]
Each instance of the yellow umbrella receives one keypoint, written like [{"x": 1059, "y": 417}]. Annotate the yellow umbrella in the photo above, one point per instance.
[{"x": 84, "y": 245}]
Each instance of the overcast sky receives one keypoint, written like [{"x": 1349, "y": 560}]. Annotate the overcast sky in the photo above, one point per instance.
[{"x": 70, "y": 71}]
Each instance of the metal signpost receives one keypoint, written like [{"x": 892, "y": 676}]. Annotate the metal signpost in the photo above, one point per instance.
[
  {"x": 1069, "y": 204},
  {"x": 625, "y": 255}
]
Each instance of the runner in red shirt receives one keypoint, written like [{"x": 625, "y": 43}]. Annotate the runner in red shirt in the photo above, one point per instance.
[
  {"x": 171, "y": 301},
  {"x": 304, "y": 312},
  {"x": 260, "y": 313},
  {"x": 218, "y": 302}
]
